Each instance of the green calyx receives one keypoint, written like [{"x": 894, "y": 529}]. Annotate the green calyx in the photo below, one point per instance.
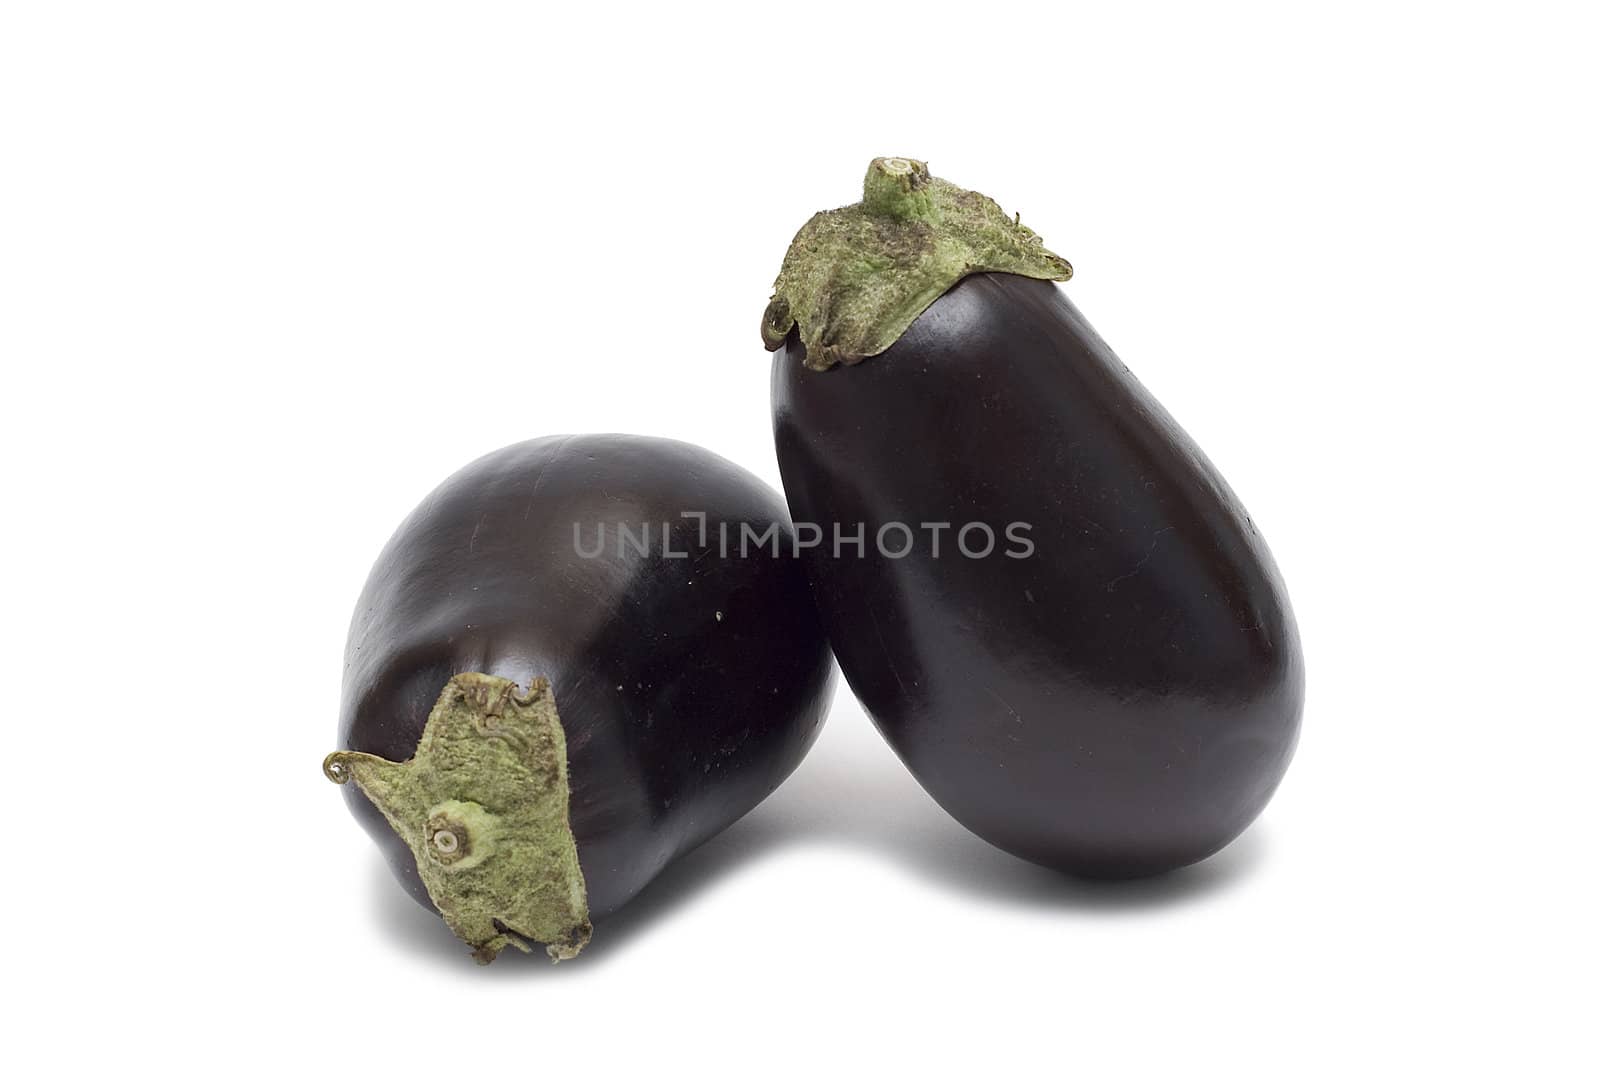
[
  {"x": 856, "y": 277},
  {"x": 483, "y": 807}
]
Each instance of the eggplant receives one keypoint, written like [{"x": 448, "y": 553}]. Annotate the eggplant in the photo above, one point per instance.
[
  {"x": 1046, "y": 598},
  {"x": 576, "y": 660}
]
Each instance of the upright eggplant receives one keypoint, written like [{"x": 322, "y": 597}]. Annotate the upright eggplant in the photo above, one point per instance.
[
  {"x": 1045, "y": 596},
  {"x": 568, "y": 668}
]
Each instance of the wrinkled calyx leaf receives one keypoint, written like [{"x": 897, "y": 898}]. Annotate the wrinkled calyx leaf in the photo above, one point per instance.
[
  {"x": 483, "y": 807},
  {"x": 856, "y": 277}
]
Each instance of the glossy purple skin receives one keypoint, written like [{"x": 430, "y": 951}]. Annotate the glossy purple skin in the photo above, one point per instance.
[
  {"x": 1120, "y": 703},
  {"x": 688, "y": 687}
]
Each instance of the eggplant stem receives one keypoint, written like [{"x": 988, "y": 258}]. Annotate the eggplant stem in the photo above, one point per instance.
[
  {"x": 483, "y": 806},
  {"x": 855, "y": 278}
]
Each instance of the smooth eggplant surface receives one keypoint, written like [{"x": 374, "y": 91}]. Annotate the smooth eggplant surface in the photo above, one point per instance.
[
  {"x": 688, "y": 683},
  {"x": 1121, "y": 701}
]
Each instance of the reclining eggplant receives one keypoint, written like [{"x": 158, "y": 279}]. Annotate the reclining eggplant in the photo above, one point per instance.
[{"x": 556, "y": 683}]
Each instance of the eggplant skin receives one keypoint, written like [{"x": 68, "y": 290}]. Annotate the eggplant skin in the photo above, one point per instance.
[
  {"x": 1120, "y": 702},
  {"x": 688, "y": 687}
]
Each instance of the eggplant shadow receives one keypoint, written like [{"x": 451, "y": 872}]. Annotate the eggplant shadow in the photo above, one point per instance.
[
  {"x": 852, "y": 793},
  {"x": 863, "y": 798}
]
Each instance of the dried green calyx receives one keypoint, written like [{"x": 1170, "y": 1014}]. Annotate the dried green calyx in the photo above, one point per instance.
[
  {"x": 483, "y": 807},
  {"x": 856, "y": 277}
]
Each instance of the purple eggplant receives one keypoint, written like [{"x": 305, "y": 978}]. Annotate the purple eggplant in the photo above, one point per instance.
[
  {"x": 576, "y": 660},
  {"x": 1044, "y": 595}
]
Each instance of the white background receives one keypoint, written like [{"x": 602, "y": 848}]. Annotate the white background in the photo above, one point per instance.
[{"x": 270, "y": 272}]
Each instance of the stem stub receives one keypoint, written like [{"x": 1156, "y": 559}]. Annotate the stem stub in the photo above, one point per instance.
[
  {"x": 483, "y": 807},
  {"x": 856, "y": 277}
]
